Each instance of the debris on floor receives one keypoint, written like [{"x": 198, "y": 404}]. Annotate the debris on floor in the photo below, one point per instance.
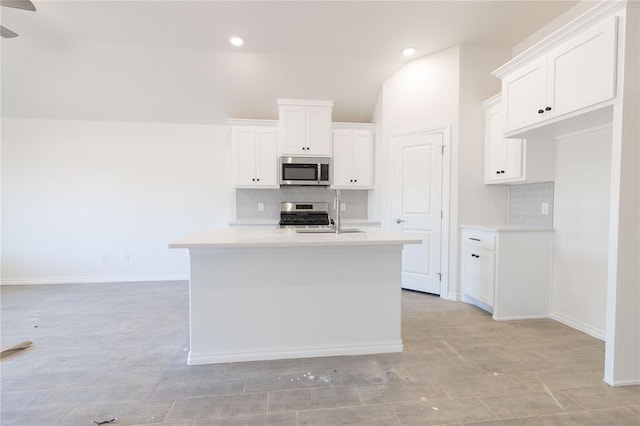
[
  {"x": 16, "y": 348},
  {"x": 104, "y": 422}
]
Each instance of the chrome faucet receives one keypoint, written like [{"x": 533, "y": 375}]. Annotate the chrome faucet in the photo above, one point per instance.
[{"x": 337, "y": 223}]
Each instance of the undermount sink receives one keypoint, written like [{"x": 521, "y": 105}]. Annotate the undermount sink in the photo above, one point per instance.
[{"x": 325, "y": 231}]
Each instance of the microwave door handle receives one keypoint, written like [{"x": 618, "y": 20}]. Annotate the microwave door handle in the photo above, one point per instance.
[{"x": 319, "y": 172}]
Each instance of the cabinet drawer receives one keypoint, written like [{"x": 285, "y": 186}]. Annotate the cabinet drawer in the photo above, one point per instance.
[{"x": 482, "y": 239}]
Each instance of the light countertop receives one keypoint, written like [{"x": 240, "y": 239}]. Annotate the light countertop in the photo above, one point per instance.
[
  {"x": 507, "y": 228},
  {"x": 275, "y": 222},
  {"x": 277, "y": 237}
]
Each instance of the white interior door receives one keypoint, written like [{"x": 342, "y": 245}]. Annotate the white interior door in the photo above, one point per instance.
[{"x": 417, "y": 205}]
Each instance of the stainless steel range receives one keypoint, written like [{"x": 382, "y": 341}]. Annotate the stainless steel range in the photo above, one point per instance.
[{"x": 302, "y": 214}]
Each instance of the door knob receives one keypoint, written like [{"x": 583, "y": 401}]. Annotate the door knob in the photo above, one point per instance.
[{"x": 400, "y": 220}]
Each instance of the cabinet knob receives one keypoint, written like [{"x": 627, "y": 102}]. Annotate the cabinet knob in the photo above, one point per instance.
[
  {"x": 497, "y": 172},
  {"x": 355, "y": 180},
  {"x": 258, "y": 180},
  {"x": 350, "y": 180},
  {"x": 502, "y": 171},
  {"x": 540, "y": 111},
  {"x": 253, "y": 179},
  {"x": 547, "y": 109}
]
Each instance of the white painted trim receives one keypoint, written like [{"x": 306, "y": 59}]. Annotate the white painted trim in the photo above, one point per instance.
[
  {"x": 622, "y": 382},
  {"x": 526, "y": 317},
  {"x": 454, "y": 297},
  {"x": 362, "y": 126},
  {"x": 293, "y": 352},
  {"x": 596, "y": 14},
  {"x": 578, "y": 325},
  {"x": 305, "y": 102},
  {"x": 105, "y": 279},
  {"x": 252, "y": 122}
]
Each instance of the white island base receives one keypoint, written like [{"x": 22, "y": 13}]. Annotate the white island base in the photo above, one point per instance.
[{"x": 310, "y": 296}]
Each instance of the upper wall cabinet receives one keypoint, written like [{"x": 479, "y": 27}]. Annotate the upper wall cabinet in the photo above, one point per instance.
[
  {"x": 511, "y": 160},
  {"x": 305, "y": 127},
  {"x": 573, "y": 76},
  {"x": 254, "y": 156},
  {"x": 353, "y": 156}
]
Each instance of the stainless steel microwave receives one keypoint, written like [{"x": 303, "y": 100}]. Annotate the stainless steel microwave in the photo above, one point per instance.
[{"x": 305, "y": 171}]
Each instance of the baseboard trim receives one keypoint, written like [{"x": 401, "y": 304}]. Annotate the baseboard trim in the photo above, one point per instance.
[
  {"x": 454, "y": 297},
  {"x": 617, "y": 383},
  {"x": 521, "y": 317},
  {"x": 579, "y": 325},
  {"x": 95, "y": 279},
  {"x": 199, "y": 358}
]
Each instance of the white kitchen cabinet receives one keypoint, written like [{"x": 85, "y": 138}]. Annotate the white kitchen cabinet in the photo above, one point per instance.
[
  {"x": 578, "y": 74},
  {"x": 507, "y": 271},
  {"x": 353, "y": 157},
  {"x": 254, "y": 156},
  {"x": 305, "y": 127},
  {"x": 512, "y": 160}
]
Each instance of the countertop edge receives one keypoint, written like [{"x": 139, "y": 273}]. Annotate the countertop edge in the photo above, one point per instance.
[{"x": 507, "y": 228}]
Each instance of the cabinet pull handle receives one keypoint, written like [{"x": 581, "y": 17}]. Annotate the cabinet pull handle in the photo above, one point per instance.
[
  {"x": 475, "y": 239},
  {"x": 547, "y": 109},
  {"x": 540, "y": 111}
]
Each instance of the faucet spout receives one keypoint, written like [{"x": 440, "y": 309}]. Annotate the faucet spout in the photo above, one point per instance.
[{"x": 338, "y": 224}]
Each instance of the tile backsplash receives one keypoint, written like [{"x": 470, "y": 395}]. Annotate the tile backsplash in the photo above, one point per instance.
[
  {"x": 525, "y": 204},
  {"x": 247, "y": 201}
]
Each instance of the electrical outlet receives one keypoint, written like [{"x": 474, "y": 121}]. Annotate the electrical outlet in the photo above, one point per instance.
[
  {"x": 544, "y": 208},
  {"x": 343, "y": 207},
  {"x": 260, "y": 207},
  {"x": 104, "y": 258},
  {"x": 126, "y": 258}
]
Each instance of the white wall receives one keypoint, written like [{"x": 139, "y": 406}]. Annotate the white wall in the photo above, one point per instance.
[
  {"x": 445, "y": 88},
  {"x": 581, "y": 222},
  {"x": 73, "y": 191},
  {"x": 477, "y": 202},
  {"x": 554, "y": 25}
]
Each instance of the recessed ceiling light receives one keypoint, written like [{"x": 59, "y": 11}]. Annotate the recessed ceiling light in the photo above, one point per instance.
[
  {"x": 409, "y": 51},
  {"x": 236, "y": 41}
]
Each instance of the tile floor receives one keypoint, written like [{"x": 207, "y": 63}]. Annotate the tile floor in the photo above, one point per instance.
[{"x": 119, "y": 350}]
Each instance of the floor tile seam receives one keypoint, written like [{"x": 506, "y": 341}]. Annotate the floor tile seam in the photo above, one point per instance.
[
  {"x": 585, "y": 411},
  {"x": 65, "y": 415},
  {"x": 444, "y": 389},
  {"x": 495, "y": 415},
  {"x": 337, "y": 407},
  {"x": 166, "y": 416}
]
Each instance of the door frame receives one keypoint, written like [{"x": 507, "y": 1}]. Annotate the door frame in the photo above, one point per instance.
[{"x": 445, "y": 130}]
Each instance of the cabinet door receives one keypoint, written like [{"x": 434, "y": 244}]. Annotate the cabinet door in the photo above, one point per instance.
[
  {"x": 525, "y": 94},
  {"x": 243, "y": 150},
  {"x": 342, "y": 158},
  {"x": 582, "y": 72},
  {"x": 470, "y": 272},
  {"x": 266, "y": 157},
  {"x": 293, "y": 130},
  {"x": 363, "y": 158},
  {"x": 486, "y": 276},
  {"x": 503, "y": 157},
  {"x": 318, "y": 131},
  {"x": 494, "y": 144}
]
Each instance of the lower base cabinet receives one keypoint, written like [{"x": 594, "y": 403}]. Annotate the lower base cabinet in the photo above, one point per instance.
[{"x": 507, "y": 271}]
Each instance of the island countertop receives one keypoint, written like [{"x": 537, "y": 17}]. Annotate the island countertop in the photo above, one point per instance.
[{"x": 287, "y": 237}]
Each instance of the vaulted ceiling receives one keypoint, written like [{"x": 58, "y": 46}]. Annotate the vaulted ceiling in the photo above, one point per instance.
[{"x": 170, "y": 61}]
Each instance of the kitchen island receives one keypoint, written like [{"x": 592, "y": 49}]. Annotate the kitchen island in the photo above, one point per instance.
[{"x": 260, "y": 294}]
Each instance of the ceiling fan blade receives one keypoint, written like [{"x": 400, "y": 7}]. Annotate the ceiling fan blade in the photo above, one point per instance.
[
  {"x": 19, "y": 4},
  {"x": 7, "y": 33}
]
